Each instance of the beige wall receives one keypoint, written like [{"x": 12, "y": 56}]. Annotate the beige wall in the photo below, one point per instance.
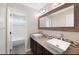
[{"x": 2, "y": 28}]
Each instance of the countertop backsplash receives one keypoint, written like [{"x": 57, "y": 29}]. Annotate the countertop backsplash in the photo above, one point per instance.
[{"x": 73, "y": 36}]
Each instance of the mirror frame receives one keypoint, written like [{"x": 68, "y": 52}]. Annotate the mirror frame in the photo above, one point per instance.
[{"x": 76, "y": 18}]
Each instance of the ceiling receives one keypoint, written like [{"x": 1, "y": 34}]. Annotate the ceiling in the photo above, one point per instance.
[{"x": 36, "y": 6}]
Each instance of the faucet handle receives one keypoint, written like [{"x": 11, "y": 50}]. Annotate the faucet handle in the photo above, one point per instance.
[{"x": 61, "y": 35}]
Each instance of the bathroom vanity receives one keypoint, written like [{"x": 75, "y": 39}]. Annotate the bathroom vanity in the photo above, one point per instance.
[{"x": 39, "y": 46}]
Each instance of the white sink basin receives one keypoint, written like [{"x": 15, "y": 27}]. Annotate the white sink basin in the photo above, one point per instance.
[
  {"x": 58, "y": 45},
  {"x": 37, "y": 35}
]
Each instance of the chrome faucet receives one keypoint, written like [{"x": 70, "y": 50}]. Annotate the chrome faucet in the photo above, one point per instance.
[{"x": 61, "y": 37}]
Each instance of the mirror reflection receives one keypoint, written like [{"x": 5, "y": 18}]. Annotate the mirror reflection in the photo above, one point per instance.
[{"x": 61, "y": 18}]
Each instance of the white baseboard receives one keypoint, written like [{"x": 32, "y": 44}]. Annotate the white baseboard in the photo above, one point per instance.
[{"x": 27, "y": 50}]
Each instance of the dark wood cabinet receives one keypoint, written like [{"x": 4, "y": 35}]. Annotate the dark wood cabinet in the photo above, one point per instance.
[
  {"x": 33, "y": 46},
  {"x": 37, "y": 49},
  {"x": 46, "y": 52}
]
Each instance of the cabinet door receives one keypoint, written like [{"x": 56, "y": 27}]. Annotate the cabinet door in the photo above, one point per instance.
[
  {"x": 46, "y": 52},
  {"x": 39, "y": 49},
  {"x": 33, "y": 46}
]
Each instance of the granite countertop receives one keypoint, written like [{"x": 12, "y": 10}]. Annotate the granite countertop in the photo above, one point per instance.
[{"x": 43, "y": 42}]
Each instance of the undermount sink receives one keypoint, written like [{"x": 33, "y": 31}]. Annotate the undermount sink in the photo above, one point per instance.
[
  {"x": 37, "y": 35},
  {"x": 58, "y": 45}
]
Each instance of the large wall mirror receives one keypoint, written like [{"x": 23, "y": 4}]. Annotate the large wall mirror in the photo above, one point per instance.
[{"x": 61, "y": 18}]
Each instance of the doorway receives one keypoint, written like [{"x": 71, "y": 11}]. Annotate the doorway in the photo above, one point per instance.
[{"x": 16, "y": 31}]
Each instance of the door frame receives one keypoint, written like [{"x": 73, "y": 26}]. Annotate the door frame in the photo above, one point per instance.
[{"x": 8, "y": 31}]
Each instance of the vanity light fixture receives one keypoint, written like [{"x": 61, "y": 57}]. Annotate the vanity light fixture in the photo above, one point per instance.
[
  {"x": 56, "y": 4},
  {"x": 43, "y": 11}
]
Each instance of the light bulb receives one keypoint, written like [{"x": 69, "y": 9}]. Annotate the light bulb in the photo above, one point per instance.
[
  {"x": 43, "y": 11},
  {"x": 55, "y": 3}
]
